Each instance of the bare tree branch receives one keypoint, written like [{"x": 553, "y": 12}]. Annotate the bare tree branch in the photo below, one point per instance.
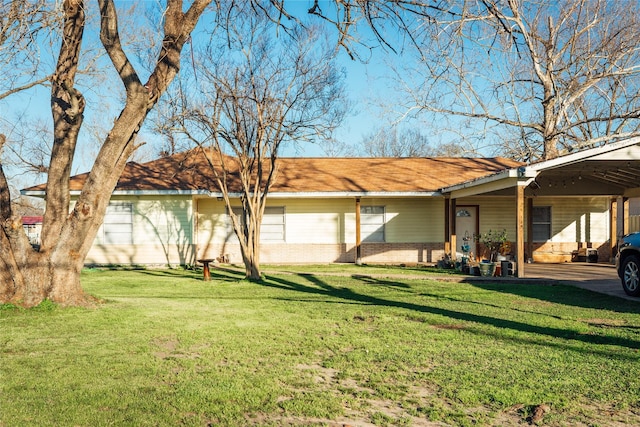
[
  {"x": 266, "y": 92},
  {"x": 563, "y": 75}
]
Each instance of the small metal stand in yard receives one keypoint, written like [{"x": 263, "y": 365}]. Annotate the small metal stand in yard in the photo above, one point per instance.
[
  {"x": 205, "y": 268},
  {"x": 466, "y": 249}
]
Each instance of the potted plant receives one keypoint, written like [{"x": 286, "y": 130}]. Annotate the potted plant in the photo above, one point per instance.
[
  {"x": 446, "y": 261},
  {"x": 493, "y": 242}
]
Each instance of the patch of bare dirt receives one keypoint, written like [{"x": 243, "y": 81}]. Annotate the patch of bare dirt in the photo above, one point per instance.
[
  {"x": 168, "y": 347},
  {"x": 611, "y": 323},
  {"x": 423, "y": 398},
  {"x": 449, "y": 326}
]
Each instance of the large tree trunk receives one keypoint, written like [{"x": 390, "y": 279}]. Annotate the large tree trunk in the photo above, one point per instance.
[
  {"x": 28, "y": 276},
  {"x": 550, "y": 117},
  {"x": 250, "y": 246},
  {"x": 251, "y": 259}
]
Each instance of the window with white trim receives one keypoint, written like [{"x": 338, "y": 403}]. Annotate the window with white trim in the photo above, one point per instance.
[
  {"x": 372, "y": 222},
  {"x": 117, "y": 227},
  {"x": 541, "y": 221},
  {"x": 273, "y": 223}
]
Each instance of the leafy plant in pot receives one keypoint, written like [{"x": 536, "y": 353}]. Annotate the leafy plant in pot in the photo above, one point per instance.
[{"x": 493, "y": 242}]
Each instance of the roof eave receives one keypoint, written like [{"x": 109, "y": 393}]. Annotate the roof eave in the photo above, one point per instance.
[
  {"x": 583, "y": 155},
  {"x": 498, "y": 176},
  {"x": 273, "y": 194}
]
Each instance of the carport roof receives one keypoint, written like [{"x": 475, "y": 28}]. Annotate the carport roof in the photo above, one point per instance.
[{"x": 609, "y": 170}]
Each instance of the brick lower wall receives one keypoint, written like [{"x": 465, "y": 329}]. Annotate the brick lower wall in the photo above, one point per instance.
[
  {"x": 381, "y": 253},
  {"x": 551, "y": 252},
  {"x": 402, "y": 252},
  {"x": 282, "y": 253}
]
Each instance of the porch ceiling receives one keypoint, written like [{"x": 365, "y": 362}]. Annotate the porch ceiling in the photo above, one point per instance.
[
  {"x": 610, "y": 170},
  {"x": 590, "y": 177}
]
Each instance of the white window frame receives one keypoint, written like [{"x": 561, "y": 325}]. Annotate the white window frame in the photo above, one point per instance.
[
  {"x": 117, "y": 226},
  {"x": 541, "y": 225},
  {"x": 373, "y": 221},
  {"x": 273, "y": 227},
  {"x": 274, "y": 224}
]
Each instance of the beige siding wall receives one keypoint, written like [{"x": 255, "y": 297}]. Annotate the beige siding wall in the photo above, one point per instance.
[
  {"x": 323, "y": 230},
  {"x": 317, "y": 221},
  {"x": 495, "y": 213},
  {"x": 407, "y": 220},
  {"x": 211, "y": 225},
  {"x": 162, "y": 234},
  {"x": 574, "y": 219},
  {"x": 578, "y": 219},
  {"x": 576, "y": 222}
]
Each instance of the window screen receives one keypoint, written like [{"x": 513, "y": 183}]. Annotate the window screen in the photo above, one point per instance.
[
  {"x": 117, "y": 227},
  {"x": 541, "y": 218},
  {"x": 372, "y": 223},
  {"x": 273, "y": 223}
]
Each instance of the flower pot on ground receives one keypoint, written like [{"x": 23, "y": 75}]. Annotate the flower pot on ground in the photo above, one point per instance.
[{"x": 487, "y": 269}]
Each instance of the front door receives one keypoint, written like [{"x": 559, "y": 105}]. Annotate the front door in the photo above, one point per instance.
[{"x": 466, "y": 230}]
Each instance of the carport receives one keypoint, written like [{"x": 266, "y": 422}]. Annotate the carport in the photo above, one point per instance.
[
  {"x": 611, "y": 171},
  {"x": 600, "y": 278}
]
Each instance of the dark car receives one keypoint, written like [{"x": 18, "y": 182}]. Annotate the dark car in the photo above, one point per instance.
[{"x": 628, "y": 263}]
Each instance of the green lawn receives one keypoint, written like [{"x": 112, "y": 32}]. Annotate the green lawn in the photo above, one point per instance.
[{"x": 168, "y": 349}]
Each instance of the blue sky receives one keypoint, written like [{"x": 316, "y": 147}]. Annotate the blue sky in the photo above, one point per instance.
[
  {"x": 364, "y": 83},
  {"x": 368, "y": 82}
]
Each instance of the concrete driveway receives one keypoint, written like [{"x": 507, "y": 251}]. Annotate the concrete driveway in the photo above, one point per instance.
[{"x": 600, "y": 278}]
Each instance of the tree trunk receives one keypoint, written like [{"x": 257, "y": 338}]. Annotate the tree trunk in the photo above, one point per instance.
[
  {"x": 251, "y": 261},
  {"x": 550, "y": 118},
  {"x": 248, "y": 232},
  {"x": 29, "y": 276},
  {"x": 43, "y": 276},
  {"x": 251, "y": 245}
]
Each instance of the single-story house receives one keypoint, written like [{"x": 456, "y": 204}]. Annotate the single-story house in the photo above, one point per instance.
[
  {"x": 32, "y": 227},
  {"x": 375, "y": 210}
]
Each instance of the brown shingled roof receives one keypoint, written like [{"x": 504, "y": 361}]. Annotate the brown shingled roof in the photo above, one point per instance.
[{"x": 190, "y": 171}]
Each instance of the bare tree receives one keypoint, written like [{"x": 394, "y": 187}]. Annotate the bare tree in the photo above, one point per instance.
[
  {"x": 394, "y": 141},
  {"x": 545, "y": 77},
  {"x": 27, "y": 276},
  {"x": 24, "y": 25},
  {"x": 21, "y": 26},
  {"x": 266, "y": 91}
]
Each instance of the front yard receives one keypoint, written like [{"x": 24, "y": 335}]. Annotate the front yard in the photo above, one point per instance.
[{"x": 319, "y": 348}]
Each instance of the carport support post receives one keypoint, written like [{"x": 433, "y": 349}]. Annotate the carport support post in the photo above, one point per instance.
[
  {"x": 452, "y": 228},
  {"x": 358, "y": 237},
  {"x": 529, "y": 229},
  {"x": 447, "y": 221},
  {"x": 625, "y": 215},
  {"x": 520, "y": 204},
  {"x": 613, "y": 222},
  {"x": 619, "y": 215}
]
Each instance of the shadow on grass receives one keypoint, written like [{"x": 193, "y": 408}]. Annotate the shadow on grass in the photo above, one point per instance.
[
  {"x": 562, "y": 294},
  {"x": 221, "y": 274},
  {"x": 319, "y": 287}
]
